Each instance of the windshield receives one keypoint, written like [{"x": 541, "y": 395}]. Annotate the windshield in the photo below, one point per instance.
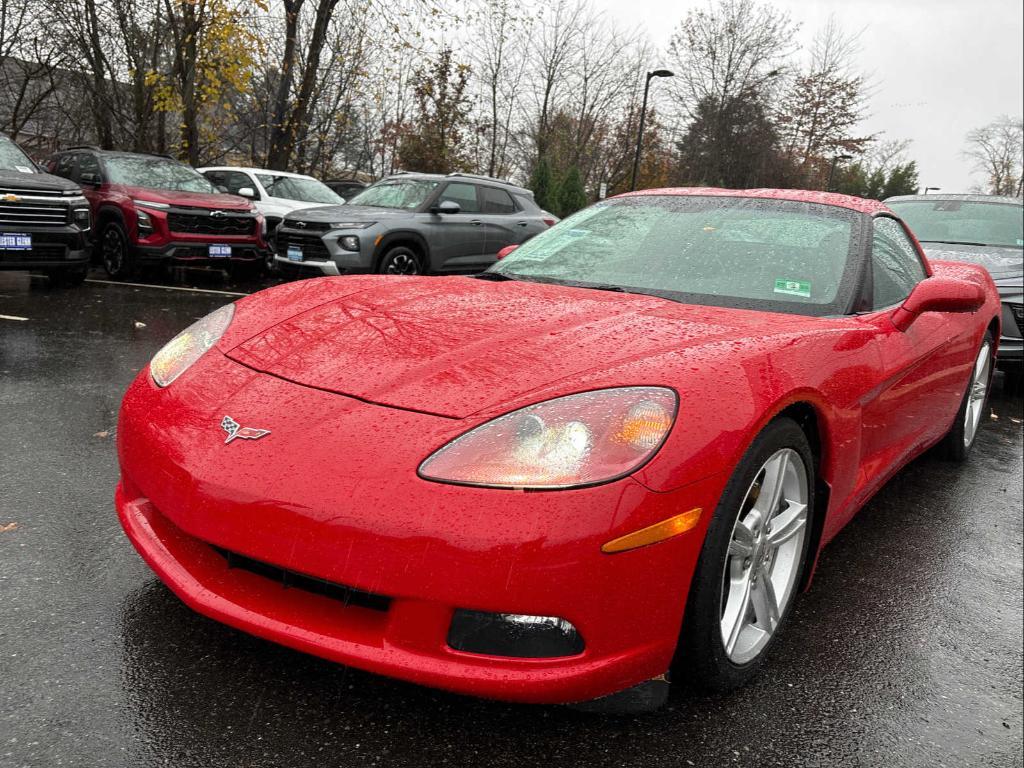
[
  {"x": 305, "y": 190},
  {"x": 738, "y": 252},
  {"x": 155, "y": 173},
  {"x": 12, "y": 158},
  {"x": 960, "y": 221},
  {"x": 408, "y": 194}
]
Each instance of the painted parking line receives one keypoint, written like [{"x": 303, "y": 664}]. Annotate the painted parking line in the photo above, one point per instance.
[
  {"x": 168, "y": 287},
  {"x": 12, "y": 317}
]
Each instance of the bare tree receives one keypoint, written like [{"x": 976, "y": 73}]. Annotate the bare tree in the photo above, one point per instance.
[{"x": 997, "y": 150}]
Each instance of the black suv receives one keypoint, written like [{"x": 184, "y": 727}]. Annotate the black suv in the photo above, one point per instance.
[
  {"x": 411, "y": 224},
  {"x": 44, "y": 219}
]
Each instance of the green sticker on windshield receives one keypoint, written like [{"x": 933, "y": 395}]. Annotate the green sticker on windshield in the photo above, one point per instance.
[{"x": 794, "y": 287}]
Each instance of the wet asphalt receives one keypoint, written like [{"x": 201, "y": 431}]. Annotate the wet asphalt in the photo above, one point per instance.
[{"x": 907, "y": 651}]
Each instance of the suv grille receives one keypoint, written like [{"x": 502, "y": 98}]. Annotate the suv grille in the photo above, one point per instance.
[
  {"x": 309, "y": 226},
  {"x": 312, "y": 246},
  {"x": 347, "y": 595},
  {"x": 33, "y": 214},
  {"x": 34, "y": 192},
  {"x": 1018, "y": 315},
  {"x": 207, "y": 224}
]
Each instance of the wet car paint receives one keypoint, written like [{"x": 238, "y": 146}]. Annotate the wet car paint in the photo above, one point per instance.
[{"x": 905, "y": 652}]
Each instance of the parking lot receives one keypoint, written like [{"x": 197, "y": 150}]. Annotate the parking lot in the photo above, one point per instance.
[{"x": 906, "y": 651}]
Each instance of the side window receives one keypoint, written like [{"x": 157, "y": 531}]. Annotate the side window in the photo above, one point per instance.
[
  {"x": 895, "y": 266},
  {"x": 65, "y": 166},
  {"x": 88, "y": 164},
  {"x": 497, "y": 201},
  {"x": 463, "y": 194},
  {"x": 235, "y": 180}
]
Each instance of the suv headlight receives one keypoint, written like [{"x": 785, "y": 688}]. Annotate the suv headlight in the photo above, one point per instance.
[
  {"x": 82, "y": 218},
  {"x": 576, "y": 440},
  {"x": 145, "y": 223},
  {"x": 352, "y": 224},
  {"x": 181, "y": 352}
]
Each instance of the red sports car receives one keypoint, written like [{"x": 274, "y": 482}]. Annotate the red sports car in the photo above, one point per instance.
[{"x": 619, "y": 450}]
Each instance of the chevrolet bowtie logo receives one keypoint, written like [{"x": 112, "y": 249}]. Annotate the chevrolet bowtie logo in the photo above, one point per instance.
[{"x": 11, "y": 198}]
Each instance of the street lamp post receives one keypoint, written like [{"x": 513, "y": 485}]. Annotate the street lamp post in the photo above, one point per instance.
[
  {"x": 643, "y": 115},
  {"x": 832, "y": 170}
]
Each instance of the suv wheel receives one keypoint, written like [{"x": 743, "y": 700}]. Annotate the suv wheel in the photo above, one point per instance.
[
  {"x": 400, "y": 260},
  {"x": 114, "y": 252}
]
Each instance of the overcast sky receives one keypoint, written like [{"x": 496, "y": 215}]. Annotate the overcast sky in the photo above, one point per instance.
[{"x": 940, "y": 67}]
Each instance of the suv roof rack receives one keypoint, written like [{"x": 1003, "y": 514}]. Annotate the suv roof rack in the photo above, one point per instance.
[
  {"x": 94, "y": 148},
  {"x": 82, "y": 146},
  {"x": 481, "y": 177}
]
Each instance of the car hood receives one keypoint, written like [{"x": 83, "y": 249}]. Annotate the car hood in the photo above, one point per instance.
[
  {"x": 456, "y": 346},
  {"x": 212, "y": 200},
  {"x": 35, "y": 182},
  {"x": 346, "y": 212},
  {"x": 1006, "y": 265}
]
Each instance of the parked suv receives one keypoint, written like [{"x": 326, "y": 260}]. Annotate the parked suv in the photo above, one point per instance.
[
  {"x": 412, "y": 223},
  {"x": 151, "y": 208},
  {"x": 346, "y": 188},
  {"x": 44, "y": 220},
  {"x": 985, "y": 230},
  {"x": 275, "y": 193}
]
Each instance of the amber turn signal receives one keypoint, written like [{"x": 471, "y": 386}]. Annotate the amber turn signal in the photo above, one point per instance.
[{"x": 652, "y": 534}]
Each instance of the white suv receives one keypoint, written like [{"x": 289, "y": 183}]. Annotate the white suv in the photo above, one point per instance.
[{"x": 275, "y": 193}]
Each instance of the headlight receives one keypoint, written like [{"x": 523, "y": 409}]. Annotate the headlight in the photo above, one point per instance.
[
  {"x": 183, "y": 350},
  {"x": 352, "y": 224},
  {"x": 82, "y": 218},
  {"x": 145, "y": 223},
  {"x": 571, "y": 441},
  {"x": 151, "y": 204},
  {"x": 349, "y": 242}
]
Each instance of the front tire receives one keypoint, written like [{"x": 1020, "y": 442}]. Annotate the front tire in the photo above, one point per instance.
[
  {"x": 752, "y": 561},
  {"x": 961, "y": 436},
  {"x": 401, "y": 260},
  {"x": 114, "y": 251}
]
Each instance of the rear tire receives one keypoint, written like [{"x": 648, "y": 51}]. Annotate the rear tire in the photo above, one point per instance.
[
  {"x": 956, "y": 445},
  {"x": 401, "y": 260},
  {"x": 115, "y": 253},
  {"x": 744, "y": 585}
]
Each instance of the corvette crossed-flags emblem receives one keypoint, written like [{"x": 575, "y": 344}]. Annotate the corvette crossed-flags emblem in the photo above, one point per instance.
[{"x": 234, "y": 429}]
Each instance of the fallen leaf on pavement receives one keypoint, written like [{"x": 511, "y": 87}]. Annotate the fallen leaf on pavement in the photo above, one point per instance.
[{"x": 8, "y": 527}]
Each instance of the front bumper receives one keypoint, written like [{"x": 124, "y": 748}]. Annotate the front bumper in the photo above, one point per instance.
[
  {"x": 318, "y": 498},
  {"x": 52, "y": 247},
  {"x": 321, "y": 253},
  {"x": 198, "y": 252},
  {"x": 1011, "y": 345}
]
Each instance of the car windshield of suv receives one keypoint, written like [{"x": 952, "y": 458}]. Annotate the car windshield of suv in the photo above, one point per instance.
[
  {"x": 298, "y": 188},
  {"x": 407, "y": 193},
  {"x": 12, "y": 158},
  {"x": 963, "y": 222},
  {"x": 737, "y": 252},
  {"x": 155, "y": 173}
]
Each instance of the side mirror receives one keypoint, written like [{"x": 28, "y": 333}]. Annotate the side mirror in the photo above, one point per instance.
[
  {"x": 506, "y": 251},
  {"x": 247, "y": 192},
  {"x": 92, "y": 179},
  {"x": 938, "y": 294},
  {"x": 447, "y": 206}
]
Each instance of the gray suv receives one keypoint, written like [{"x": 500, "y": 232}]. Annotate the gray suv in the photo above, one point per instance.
[{"x": 411, "y": 224}]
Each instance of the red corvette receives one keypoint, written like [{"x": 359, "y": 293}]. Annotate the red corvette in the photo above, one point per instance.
[{"x": 618, "y": 450}]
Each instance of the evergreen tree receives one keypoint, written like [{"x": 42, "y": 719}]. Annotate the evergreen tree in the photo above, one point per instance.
[
  {"x": 543, "y": 186},
  {"x": 571, "y": 195}
]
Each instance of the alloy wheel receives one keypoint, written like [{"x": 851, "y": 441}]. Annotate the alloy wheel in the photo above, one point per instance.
[
  {"x": 113, "y": 251},
  {"x": 764, "y": 555},
  {"x": 402, "y": 264},
  {"x": 978, "y": 391}
]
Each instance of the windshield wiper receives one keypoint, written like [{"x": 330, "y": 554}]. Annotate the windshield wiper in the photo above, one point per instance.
[
  {"x": 952, "y": 242},
  {"x": 496, "y": 277}
]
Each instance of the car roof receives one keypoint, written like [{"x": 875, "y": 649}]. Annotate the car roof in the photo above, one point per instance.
[
  {"x": 470, "y": 177},
  {"x": 859, "y": 204},
  {"x": 966, "y": 198},
  {"x": 253, "y": 170}
]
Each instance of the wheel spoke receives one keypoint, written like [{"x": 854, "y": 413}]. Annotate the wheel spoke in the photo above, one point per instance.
[
  {"x": 742, "y": 542},
  {"x": 771, "y": 486},
  {"x": 979, "y": 365},
  {"x": 735, "y": 617},
  {"x": 787, "y": 524},
  {"x": 766, "y": 604}
]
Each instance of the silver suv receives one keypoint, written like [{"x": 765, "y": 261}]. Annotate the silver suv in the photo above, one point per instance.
[{"x": 411, "y": 224}]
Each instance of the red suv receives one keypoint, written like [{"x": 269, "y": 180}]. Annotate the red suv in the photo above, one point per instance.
[{"x": 151, "y": 208}]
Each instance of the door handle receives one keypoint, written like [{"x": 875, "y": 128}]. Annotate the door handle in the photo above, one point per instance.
[
  {"x": 522, "y": 223},
  {"x": 475, "y": 222}
]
